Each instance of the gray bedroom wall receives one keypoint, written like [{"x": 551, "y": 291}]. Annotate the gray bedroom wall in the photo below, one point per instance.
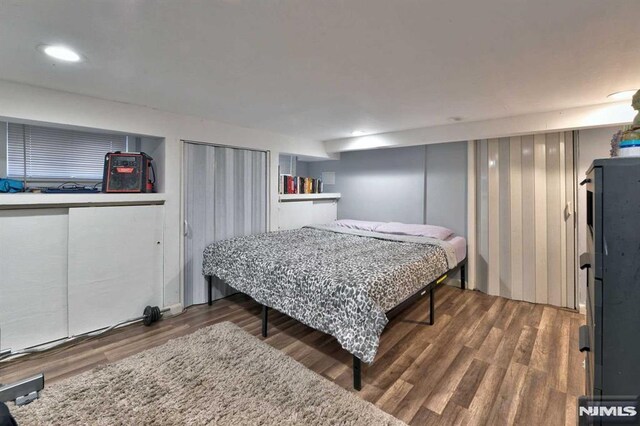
[
  {"x": 446, "y": 191},
  {"x": 380, "y": 185},
  {"x": 302, "y": 168},
  {"x": 390, "y": 184}
]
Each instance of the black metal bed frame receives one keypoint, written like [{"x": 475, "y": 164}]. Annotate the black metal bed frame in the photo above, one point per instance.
[{"x": 357, "y": 363}]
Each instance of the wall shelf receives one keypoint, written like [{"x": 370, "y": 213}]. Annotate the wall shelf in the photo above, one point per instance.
[
  {"x": 28, "y": 200},
  {"x": 309, "y": 197}
]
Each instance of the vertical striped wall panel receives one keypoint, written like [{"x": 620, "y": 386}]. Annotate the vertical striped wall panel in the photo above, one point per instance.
[
  {"x": 515, "y": 223},
  {"x": 482, "y": 215},
  {"x": 493, "y": 207},
  {"x": 225, "y": 196},
  {"x": 525, "y": 234},
  {"x": 505, "y": 218}
]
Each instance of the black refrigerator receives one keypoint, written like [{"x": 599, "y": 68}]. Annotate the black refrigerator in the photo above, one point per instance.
[{"x": 611, "y": 338}]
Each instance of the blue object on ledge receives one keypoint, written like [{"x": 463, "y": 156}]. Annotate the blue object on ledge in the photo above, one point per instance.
[{"x": 11, "y": 185}]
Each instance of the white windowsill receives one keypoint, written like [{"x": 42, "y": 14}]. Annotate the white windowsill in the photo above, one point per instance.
[
  {"x": 306, "y": 197},
  {"x": 34, "y": 200}
]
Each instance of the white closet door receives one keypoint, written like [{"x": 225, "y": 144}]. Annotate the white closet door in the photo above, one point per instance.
[
  {"x": 33, "y": 277},
  {"x": 115, "y": 264},
  {"x": 225, "y": 196},
  {"x": 525, "y": 221}
]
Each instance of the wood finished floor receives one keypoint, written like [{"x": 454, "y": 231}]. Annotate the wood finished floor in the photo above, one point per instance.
[{"x": 487, "y": 360}]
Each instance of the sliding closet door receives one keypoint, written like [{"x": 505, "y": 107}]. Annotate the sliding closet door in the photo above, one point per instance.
[
  {"x": 225, "y": 196},
  {"x": 525, "y": 221}
]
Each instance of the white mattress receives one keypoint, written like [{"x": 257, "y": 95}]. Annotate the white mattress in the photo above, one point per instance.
[{"x": 460, "y": 246}]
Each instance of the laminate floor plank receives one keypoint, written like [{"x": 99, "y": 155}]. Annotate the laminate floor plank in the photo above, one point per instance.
[
  {"x": 534, "y": 396},
  {"x": 468, "y": 386},
  {"x": 486, "y": 360}
]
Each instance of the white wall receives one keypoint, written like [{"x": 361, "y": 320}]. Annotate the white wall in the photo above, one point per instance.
[
  {"x": 23, "y": 102},
  {"x": 592, "y": 144},
  {"x": 608, "y": 114}
]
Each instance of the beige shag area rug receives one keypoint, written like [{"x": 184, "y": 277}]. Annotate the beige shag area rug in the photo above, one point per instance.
[{"x": 219, "y": 375}]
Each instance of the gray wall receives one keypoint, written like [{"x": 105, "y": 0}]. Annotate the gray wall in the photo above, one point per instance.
[
  {"x": 447, "y": 186},
  {"x": 382, "y": 185},
  {"x": 393, "y": 184},
  {"x": 302, "y": 168}
]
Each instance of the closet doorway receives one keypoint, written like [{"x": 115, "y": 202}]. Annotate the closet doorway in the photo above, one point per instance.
[
  {"x": 525, "y": 218},
  {"x": 225, "y": 196}
]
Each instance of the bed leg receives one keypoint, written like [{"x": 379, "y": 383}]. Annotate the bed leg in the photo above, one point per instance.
[
  {"x": 357, "y": 373},
  {"x": 265, "y": 317},
  {"x": 209, "y": 289},
  {"x": 463, "y": 278},
  {"x": 432, "y": 314}
]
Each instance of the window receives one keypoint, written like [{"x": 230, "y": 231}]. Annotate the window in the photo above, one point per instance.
[{"x": 60, "y": 154}]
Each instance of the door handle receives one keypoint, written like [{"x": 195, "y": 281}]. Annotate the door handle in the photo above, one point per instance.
[
  {"x": 186, "y": 228},
  {"x": 568, "y": 210},
  {"x": 585, "y": 261},
  {"x": 583, "y": 339}
]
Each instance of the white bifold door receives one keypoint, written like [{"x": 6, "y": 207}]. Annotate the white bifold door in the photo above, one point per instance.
[
  {"x": 525, "y": 221},
  {"x": 225, "y": 196}
]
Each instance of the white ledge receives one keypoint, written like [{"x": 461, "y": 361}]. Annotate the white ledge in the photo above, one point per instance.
[
  {"x": 307, "y": 197},
  {"x": 29, "y": 200},
  {"x": 601, "y": 115}
]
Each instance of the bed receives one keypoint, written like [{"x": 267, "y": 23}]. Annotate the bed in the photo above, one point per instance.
[{"x": 342, "y": 279}]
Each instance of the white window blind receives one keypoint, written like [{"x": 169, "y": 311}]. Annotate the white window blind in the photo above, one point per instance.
[{"x": 51, "y": 153}]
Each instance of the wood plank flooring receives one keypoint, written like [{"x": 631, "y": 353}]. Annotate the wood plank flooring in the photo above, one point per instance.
[{"x": 487, "y": 360}]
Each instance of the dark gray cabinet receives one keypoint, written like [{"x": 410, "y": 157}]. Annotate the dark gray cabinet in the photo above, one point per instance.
[{"x": 611, "y": 338}]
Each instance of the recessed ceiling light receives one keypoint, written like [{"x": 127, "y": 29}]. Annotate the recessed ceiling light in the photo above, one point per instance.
[
  {"x": 621, "y": 96},
  {"x": 61, "y": 53},
  {"x": 358, "y": 133}
]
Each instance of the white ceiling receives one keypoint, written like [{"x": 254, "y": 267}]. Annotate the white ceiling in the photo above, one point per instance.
[{"x": 320, "y": 69}]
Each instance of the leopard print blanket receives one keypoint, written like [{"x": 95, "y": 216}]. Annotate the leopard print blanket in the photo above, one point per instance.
[{"x": 334, "y": 281}]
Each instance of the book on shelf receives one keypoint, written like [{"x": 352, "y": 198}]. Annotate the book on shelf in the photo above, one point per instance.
[{"x": 289, "y": 184}]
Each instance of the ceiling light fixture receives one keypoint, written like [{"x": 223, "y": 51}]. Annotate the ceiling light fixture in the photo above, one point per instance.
[
  {"x": 60, "y": 52},
  {"x": 358, "y": 133},
  {"x": 623, "y": 95}
]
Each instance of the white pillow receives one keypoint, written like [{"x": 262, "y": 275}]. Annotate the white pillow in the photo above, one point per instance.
[
  {"x": 416, "y": 230},
  {"x": 361, "y": 225}
]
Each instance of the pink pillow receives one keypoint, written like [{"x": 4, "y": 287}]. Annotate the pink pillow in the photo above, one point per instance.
[
  {"x": 416, "y": 230},
  {"x": 361, "y": 225}
]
